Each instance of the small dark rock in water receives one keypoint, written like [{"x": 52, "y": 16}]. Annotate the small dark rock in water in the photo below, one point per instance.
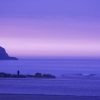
[
  {"x": 48, "y": 76},
  {"x": 28, "y": 75},
  {"x": 7, "y": 75},
  {"x": 39, "y": 75},
  {"x": 5, "y": 56}
]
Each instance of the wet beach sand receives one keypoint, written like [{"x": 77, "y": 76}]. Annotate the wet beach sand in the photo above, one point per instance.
[{"x": 45, "y": 97}]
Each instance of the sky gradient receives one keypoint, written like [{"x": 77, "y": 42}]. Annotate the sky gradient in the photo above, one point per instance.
[{"x": 31, "y": 28}]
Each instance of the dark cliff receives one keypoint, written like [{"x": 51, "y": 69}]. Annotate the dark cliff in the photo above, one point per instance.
[{"x": 5, "y": 56}]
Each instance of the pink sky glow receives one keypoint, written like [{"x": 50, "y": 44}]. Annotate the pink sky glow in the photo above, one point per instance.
[{"x": 59, "y": 37}]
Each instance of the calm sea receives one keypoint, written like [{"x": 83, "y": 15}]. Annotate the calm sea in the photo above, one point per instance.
[
  {"x": 53, "y": 66},
  {"x": 73, "y": 77}
]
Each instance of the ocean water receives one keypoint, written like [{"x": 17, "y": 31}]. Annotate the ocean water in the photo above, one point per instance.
[
  {"x": 53, "y": 66},
  {"x": 73, "y": 77}
]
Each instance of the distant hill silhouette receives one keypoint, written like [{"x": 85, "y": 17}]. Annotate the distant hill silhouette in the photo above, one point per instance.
[{"x": 5, "y": 56}]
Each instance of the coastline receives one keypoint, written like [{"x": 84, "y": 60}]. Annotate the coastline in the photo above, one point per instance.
[{"x": 45, "y": 97}]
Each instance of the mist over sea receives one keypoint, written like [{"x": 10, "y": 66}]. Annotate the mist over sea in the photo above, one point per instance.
[{"x": 73, "y": 77}]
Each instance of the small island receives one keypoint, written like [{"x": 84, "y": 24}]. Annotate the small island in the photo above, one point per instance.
[{"x": 5, "y": 56}]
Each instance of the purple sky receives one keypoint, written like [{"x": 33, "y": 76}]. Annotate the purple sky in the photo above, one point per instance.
[{"x": 31, "y": 28}]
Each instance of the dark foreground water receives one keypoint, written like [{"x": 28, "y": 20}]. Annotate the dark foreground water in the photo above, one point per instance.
[{"x": 73, "y": 77}]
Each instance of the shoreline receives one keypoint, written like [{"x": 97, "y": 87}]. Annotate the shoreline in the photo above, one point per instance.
[{"x": 4, "y": 96}]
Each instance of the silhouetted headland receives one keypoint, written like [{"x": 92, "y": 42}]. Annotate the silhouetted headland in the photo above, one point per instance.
[{"x": 5, "y": 56}]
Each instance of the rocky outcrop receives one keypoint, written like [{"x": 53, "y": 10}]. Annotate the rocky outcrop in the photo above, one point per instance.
[
  {"x": 48, "y": 76},
  {"x": 5, "y": 56},
  {"x": 39, "y": 75}
]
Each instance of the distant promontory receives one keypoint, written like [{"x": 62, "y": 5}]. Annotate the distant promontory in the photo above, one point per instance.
[{"x": 5, "y": 56}]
